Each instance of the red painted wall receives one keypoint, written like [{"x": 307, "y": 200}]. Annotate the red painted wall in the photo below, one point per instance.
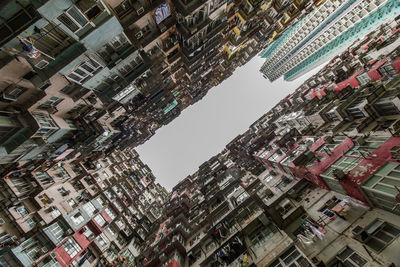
[
  {"x": 173, "y": 263},
  {"x": 313, "y": 174},
  {"x": 368, "y": 167}
]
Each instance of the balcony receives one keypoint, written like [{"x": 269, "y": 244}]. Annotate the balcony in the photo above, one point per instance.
[
  {"x": 129, "y": 12},
  {"x": 62, "y": 60},
  {"x": 23, "y": 18},
  {"x": 189, "y": 6}
]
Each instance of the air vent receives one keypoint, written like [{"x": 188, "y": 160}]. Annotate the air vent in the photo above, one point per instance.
[
  {"x": 140, "y": 11},
  {"x": 139, "y": 35},
  {"x": 42, "y": 64}
]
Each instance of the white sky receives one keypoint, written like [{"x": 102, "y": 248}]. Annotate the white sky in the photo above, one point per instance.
[{"x": 203, "y": 129}]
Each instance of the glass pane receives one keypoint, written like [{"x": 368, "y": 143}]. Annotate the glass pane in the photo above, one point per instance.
[
  {"x": 76, "y": 15},
  {"x": 386, "y": 189},
  {"x": 93, "y": 63},
  {"x": 385, "y": 169},
  {"x": 395, "y": 174},
  {"x": 391, "y": 229},
  {"x": 390, "y": 181},
  {"x": 371, "y": 181},
  {"x": 80, "y": 72},
  {"x": 64, "y": 19},
  {"x": 87, "y": 67},
  {"x": 74, "y": 77},
  {"x": 384, "y": 236},
  {"x": 303, "y": 262},
  {"x": 345, "y": 254},
  {"x": 375, "y": 244},
  {"x": 358, "y": 260},
  {"x": 292, "y": 257}
]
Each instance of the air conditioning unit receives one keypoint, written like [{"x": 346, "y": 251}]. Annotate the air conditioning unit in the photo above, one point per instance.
[
  {"x": 42, "y": 64},
  {"x": 14, "y": 238},
  {"x": 140, "y": 11},
  {"x": 1, "y": 221},
  {"x": 139, "y": 35},
  {"x": 162, "y": 27},
  {"x": 42, "y": 223}
]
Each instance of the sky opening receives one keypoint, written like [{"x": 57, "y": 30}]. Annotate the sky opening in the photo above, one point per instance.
[{"x": 203, "y": 129}]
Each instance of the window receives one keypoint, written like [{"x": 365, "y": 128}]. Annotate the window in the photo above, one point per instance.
[
  {"x": 31, "y": 223},
  {"x": 129, "y": 256},
  {"x": 70, "y": 124},
  {"x": 89, "y": 208},
  {"x": 44, "y": 120},
  {"x": 76, "y": 109},
  {"x": 71, "y": 247},
  {"x": 385, "y": 106},
  {"x": 128, "y": 68},
  {"x": 71, "y": 202},
  {"x": 22, "y": 211},
  {"x": 268, "y": 178},
  {"x": 344, "y": 163},
  {"x": 77, "y": 219},
  {"x": 111, "y": 213},
  {"x": 73, "y": 19},
  {"x": 51, "y": 102},
  {"x": 60, "y": 172},
  {"x": 363, "y": 79},
  {"x": 260, "y": 235},
  {"x": 293, "y": 258},
  {"x": 15, "y": 92},
  {"x": 57, "y": 231},
  {"x": 46, "y": 123},
  {"x": 350, "y": 258},
  {"x": 380, "y": 188},
  {"x": 101, "y": 201},
  {"x": 42, "y": 176},
  {"x": 381, "y": 234},
  {"x": 356, "y": 113},
  {"x": 62, "y": 191},
  {"x": 88, "y": 233},
  {"x": 83, "y": 71},
  {"x": 285, "y": 181},
  {"x": 100, "y": 220},
  {"x": 32, "y": 248},
  {"x": 101, "y": 240},
  {"x": 242, "y": 197},
  {"x": 118, "y": 206}
]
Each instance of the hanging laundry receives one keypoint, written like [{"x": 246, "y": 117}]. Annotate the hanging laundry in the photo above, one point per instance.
[
  {"x": 27, "y": 46},
  {"x": 304, "y": 241},
  {"x": 317, "y": 233}
]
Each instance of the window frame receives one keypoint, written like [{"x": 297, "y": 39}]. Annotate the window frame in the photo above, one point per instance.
[
  {"x": 348, "y": 258},
  {"x": 85, "y": 72},
  {"x": 76, "y": 23},
  {"x": 71, "y": 247}
]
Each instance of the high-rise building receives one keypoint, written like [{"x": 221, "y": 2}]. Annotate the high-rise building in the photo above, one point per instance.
[
  {"x": 313, "y": 182},
  {"x": 82, "y": 82},
  {"x": 329, "y": 27}
]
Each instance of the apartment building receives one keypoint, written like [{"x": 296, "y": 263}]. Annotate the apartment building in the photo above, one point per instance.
[
  {"x": 115, "y": 70},
  {"x": 324, "y": 190},
  {"x": 324, "y": 31},
  {"x": 78, "y": 211}
]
